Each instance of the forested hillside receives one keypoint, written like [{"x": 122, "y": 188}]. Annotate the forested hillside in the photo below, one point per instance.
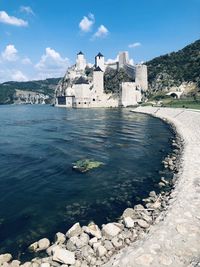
[{"x": 175, "y": 68}]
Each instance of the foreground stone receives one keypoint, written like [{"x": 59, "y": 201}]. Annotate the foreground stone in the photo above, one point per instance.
[
  {"x": 75, "y": 230},
  {"x": 5, "y": 258},
  {"x": 110, "y": 230},
  {"x": 64, "y": 256}
]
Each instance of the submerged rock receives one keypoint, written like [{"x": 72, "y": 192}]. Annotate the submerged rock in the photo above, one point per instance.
[{"x": 86, "y": 165}]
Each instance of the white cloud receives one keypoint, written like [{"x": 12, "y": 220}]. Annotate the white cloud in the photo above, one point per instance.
[
  {"x": 18, "y": 76},
  {"x": 27, "y": 9},
  {"x": 26, "y": 61},
  {"x": 52, "y": 64},
  {"x": 134, "y": 45},
  {"x": 101, "y": 32},
  {"x": 10, "y": 53},
  {"x": 5, "y": 18},
  {"x": 131, "y": 62},
  {"x": 86, "y": 23},
  {"x": 110, "y": 60}
]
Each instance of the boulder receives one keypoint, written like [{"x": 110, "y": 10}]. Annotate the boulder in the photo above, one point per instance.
[
  {"x": 139, "y": 207},
  {"x": 15, "y": 263},
  {"x": 146, "y": 217},
  {"x": 110, "y": 230},
  {"x": 45, "y": 264},
  {"x": 33, "y": 247},
  {"x": 129, "y": 223},
  {"x": 101, "y": 251},
  {"x": 93, "y": 240},
  {"x": 152, "y": 194},
  {"x": 75, "y": 230},
  {"x": 93, "y": 230},
  {"x": 51, "y": 249},
  {"x": 108, "y": 245},
  {"x": 43, "y": 244},
  {"x": 142, "y": 223},
  {"x": 71, "y": 243},
  {"x": 117, "y": 243},
  {"x": 64, "y": 256},
  {"x": 87, "y": 251},
  {"x": 128, "y": 213},
  {"x": 60, "y": 238},
  {"x": 96, "y": 245},
  {"x": 84, "y": 239},
  {"x": 27, "y": 264},
  {"x": 5, "y": 258}
]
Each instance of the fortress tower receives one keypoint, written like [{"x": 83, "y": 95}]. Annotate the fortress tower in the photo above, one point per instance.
[
  {"x": 98, "y": 81},
  {"x": 80, "y": 62},
  {"x": 100, "y": 61},
  {"x": 141, "y": 79},
  {"x": 123, "y": 59}
]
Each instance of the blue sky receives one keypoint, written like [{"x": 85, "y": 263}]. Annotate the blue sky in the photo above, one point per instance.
[{"x": 39, "y": 39}]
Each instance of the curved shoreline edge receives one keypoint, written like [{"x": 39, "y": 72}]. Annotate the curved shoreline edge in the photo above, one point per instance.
[{"x": 175, "y": 241}]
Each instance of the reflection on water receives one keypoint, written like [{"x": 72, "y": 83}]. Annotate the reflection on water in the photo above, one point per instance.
[{"x": 41, "y": 194}]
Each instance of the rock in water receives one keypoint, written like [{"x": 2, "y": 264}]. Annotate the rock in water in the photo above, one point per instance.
[
  {"x": 5, "y": 258},
  {"x": 60, "y": 238},
  {"x": 75, "y": 230},
  {"x": 86, "y": 165},
  {"x": 43, "y": 244}
]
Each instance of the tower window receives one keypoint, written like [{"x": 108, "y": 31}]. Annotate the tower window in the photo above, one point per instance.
[{"x": 93, "y": 99}]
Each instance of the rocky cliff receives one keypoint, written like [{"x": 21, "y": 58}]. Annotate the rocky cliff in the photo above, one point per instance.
[{"x": 35, "y": 92}]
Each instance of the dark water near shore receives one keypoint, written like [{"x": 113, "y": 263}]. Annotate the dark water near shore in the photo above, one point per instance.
[{"x": 41, "y": 194}]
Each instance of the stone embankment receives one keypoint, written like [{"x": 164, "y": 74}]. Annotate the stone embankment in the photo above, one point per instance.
[
  {"x": 175, "y": 241},
  {"x": 164, "y": 231}
]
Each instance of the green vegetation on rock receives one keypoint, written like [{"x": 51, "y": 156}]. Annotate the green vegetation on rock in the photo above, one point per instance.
[
  {"x": 113, "y": 79},
  {"x": 86, "y": 165}
]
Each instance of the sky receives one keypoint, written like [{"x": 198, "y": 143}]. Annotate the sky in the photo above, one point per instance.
[{"x": 40, "y": 39}]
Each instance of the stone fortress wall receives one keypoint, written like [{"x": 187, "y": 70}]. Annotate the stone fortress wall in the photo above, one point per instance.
[{"x": 77, "y": 90}]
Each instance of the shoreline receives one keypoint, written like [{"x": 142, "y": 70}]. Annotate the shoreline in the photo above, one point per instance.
[
  {"x": 101, "y": 246},
  {"x": 174, "y": 241}
]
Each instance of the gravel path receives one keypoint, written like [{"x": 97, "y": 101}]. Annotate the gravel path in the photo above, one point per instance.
[{"x": 175, "y": 241}]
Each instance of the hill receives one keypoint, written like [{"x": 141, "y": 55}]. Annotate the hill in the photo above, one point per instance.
[
  {"x": 175, "y": 69},
  {"x": 46, "y": 87}
]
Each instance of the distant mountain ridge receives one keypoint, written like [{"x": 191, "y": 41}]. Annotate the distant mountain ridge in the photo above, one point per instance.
[
  {"x": 176, "y": 68},
  {"x": 46, "y": 87}
]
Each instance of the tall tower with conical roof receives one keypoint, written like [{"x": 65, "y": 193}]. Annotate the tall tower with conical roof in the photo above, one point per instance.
[
  {"x": 100, "y": 61},
  {"x": 80, "y": 62}
]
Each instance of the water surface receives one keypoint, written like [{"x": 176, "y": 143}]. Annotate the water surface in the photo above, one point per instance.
[{"x": 41, "y": 194}]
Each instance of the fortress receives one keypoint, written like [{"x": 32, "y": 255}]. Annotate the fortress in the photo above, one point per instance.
[{"x": 83, "y": 85}]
